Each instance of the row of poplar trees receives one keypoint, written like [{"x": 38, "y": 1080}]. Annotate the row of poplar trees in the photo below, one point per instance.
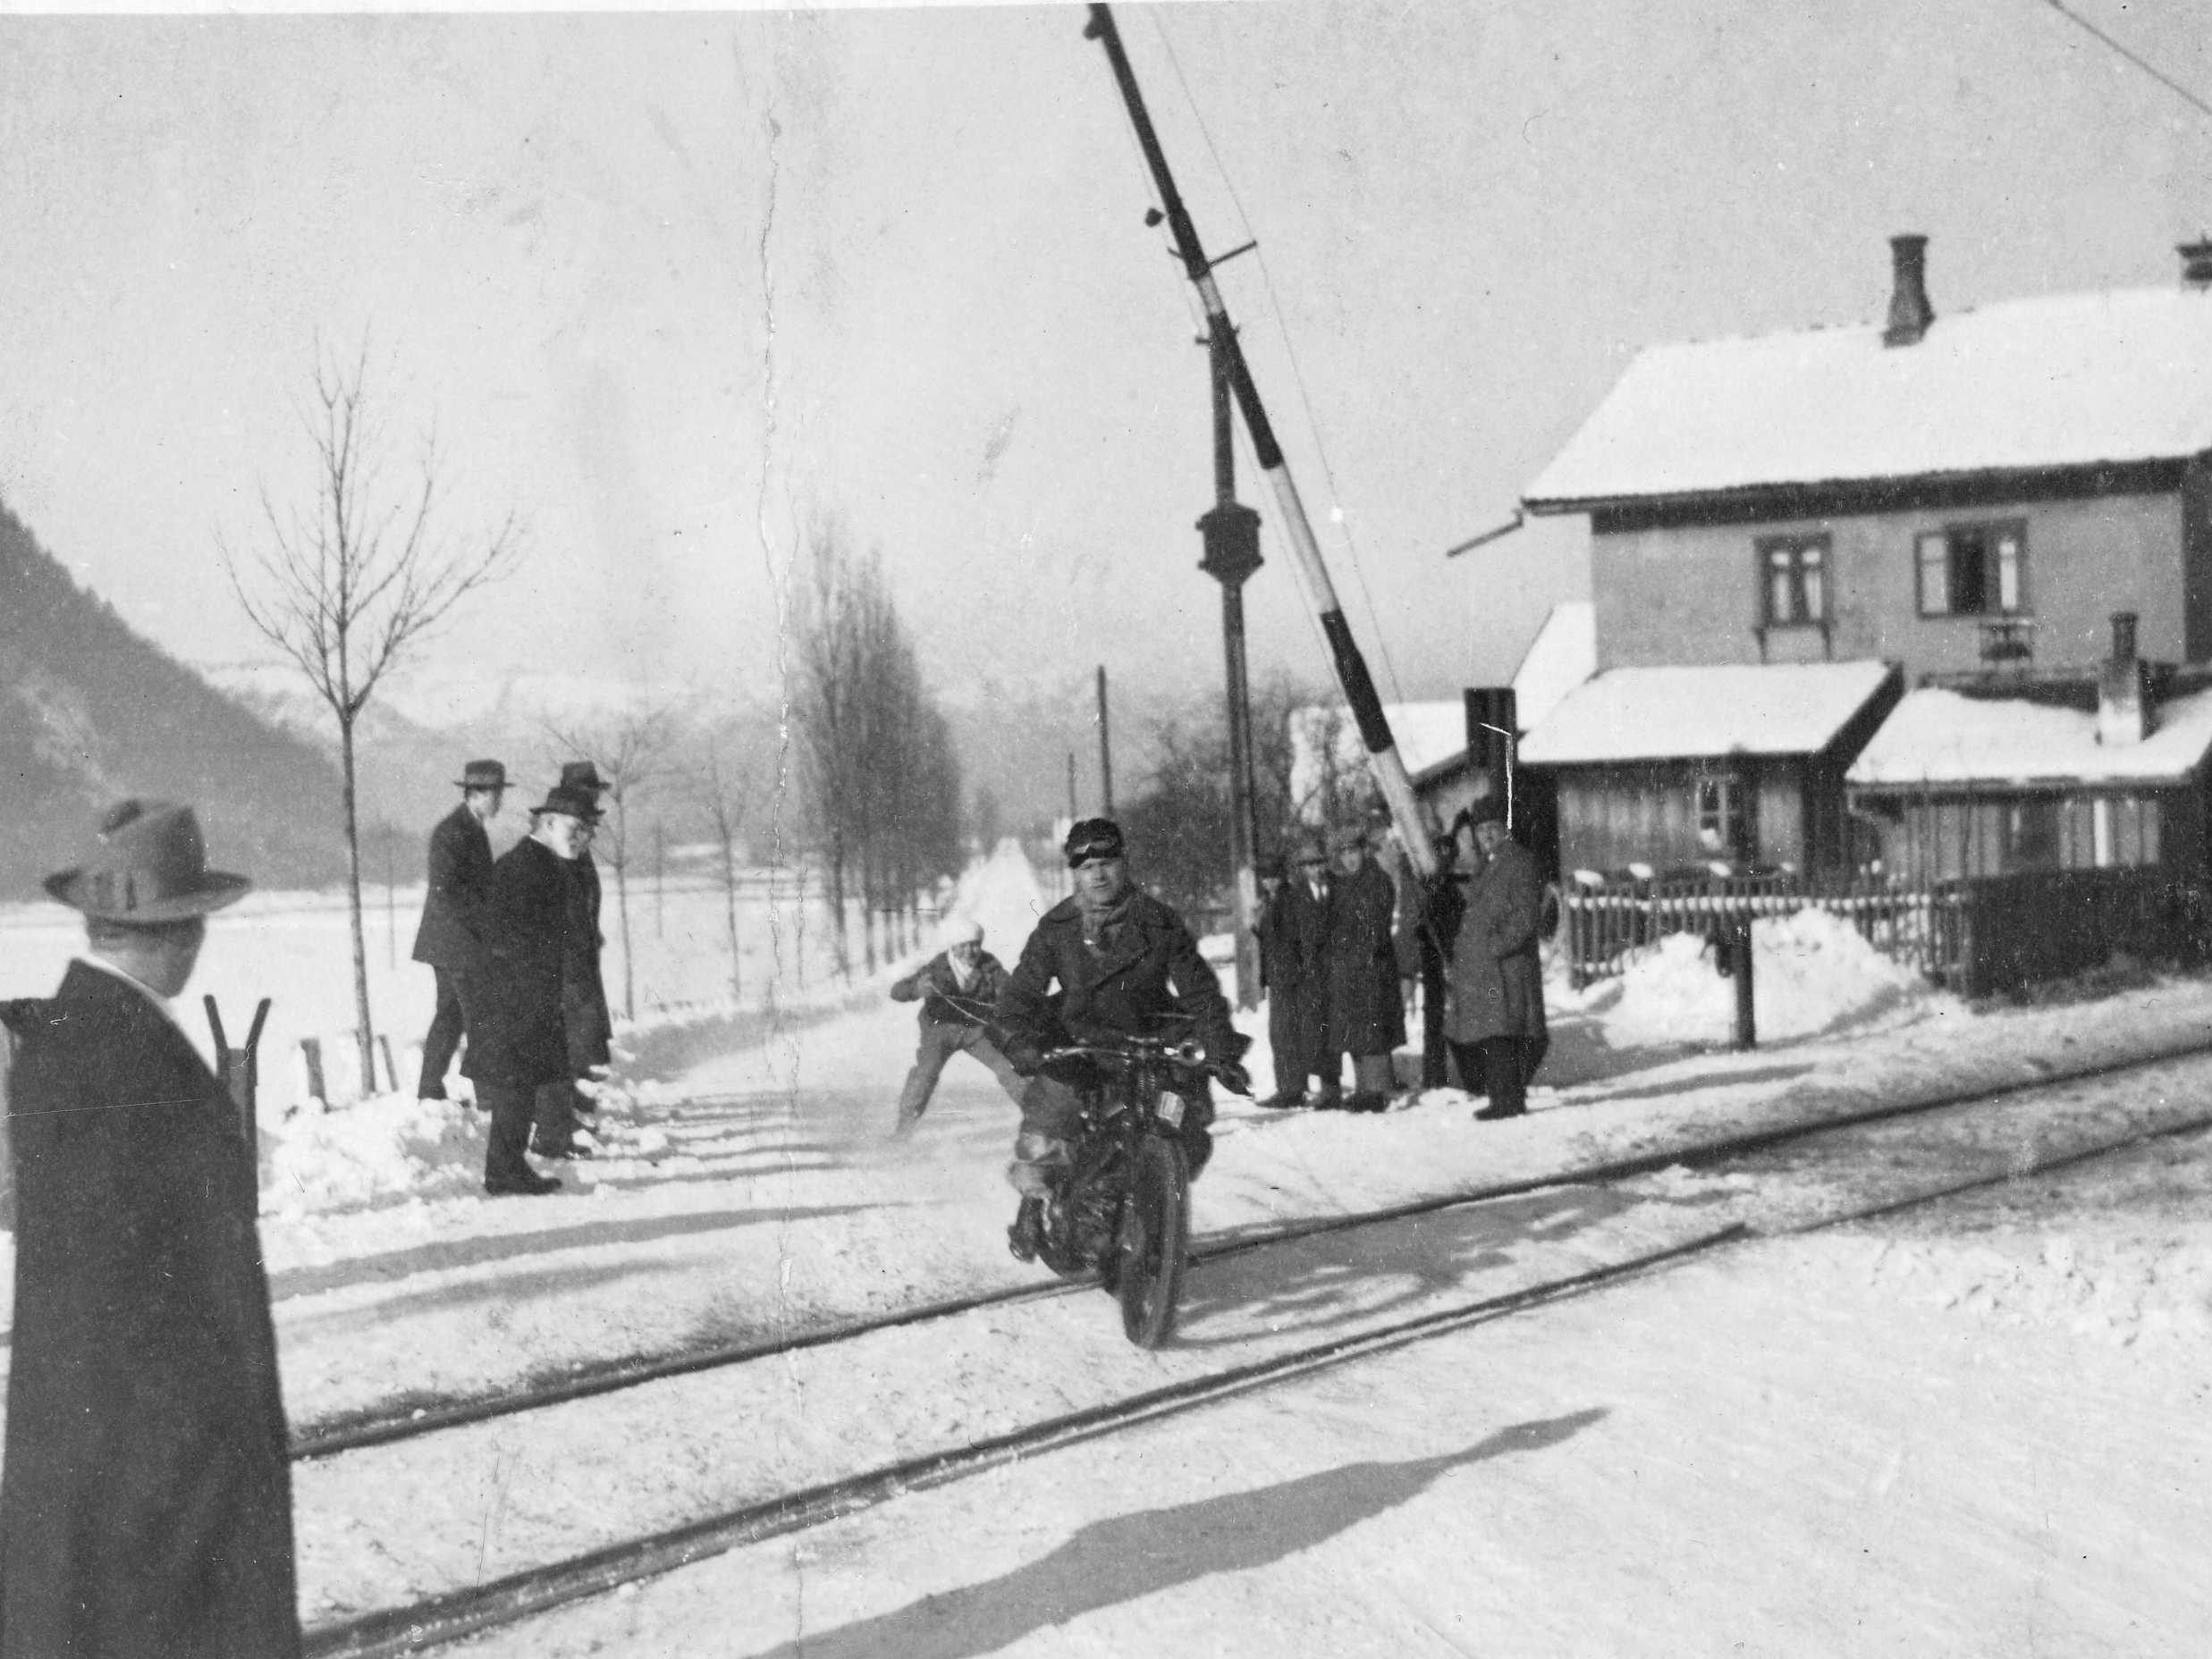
[{"x": 881, "y": 780}]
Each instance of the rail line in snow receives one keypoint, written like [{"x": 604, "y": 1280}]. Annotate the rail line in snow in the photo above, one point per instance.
[
  {"x": 357, "y": 1432},
  {"x": 455, "y": 1614}
]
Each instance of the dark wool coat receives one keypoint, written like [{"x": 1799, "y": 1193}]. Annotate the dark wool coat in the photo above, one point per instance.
[
  {"x": 146, "y": 1506},
  {"x": 585, "y": 1016},
  {"x": 1294, "y": 966},
  {"x": 1495, "y": 979},
  {"x": 1152, "y": 967},
  {"x": 934, "y": 979},
  {"x": 450, "y": 934},
  {"x": 1366, "y": 1008},
  {"x": 518, "y": 1032}
]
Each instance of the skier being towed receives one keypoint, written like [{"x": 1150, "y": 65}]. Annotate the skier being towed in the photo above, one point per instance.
[{"x": 1121, "y": 960}]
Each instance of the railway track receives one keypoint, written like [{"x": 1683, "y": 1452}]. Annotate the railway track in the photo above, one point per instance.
[
  {"x": 417, "y": 1418},
  {"x": 457, "y": 1613}
]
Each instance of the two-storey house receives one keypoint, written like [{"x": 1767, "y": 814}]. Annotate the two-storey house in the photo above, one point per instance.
[{"x": 1789, "y": 531}]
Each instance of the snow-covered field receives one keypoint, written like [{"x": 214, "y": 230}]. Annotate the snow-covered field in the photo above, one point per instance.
[{"x": 1981, "y": 1430}]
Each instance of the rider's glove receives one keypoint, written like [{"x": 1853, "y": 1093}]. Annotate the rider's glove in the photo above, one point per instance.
[
  {"x": 1023, "y": 1055},
  {"x": 1234, "y": 1077}
]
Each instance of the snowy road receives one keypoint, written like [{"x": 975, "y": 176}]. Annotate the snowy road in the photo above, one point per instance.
[
  {"x": 385, "y": 1527},
  {"x": 1786, "y": 1450}
]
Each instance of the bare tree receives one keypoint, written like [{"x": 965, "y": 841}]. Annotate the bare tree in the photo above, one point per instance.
[
  {"x": 346, "y": 584},
  {"x": 721, "y": 780},
  {"x": 882, "y": 781},
  {"x": 632, "y": 750}
]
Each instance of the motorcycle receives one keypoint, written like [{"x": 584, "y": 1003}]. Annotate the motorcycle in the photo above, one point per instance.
[{"x": 1120, "y": 1210}]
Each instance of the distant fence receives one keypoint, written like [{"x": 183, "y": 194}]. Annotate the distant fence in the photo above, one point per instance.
[{"x": 1975, "y": 935}]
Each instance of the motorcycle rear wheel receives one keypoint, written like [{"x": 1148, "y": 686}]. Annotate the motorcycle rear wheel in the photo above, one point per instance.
[{"x": 1154, "y": 1242}]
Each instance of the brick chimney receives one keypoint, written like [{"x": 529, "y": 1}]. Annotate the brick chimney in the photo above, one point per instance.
[
  {"x": 2196, "y": 263},
  {"x": 2123, "y": 687},
  {"x": 1910, "y": 313}
]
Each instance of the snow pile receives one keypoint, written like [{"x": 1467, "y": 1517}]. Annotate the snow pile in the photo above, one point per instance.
[
  {"x": 1813, "y": 972},
  {"x": 386, "y": 1149},
  {"x": 2110, "y": 1292}
]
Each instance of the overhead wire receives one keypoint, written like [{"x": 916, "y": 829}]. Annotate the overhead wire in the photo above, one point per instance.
[
  {"x": 2136, "y": 58},
  {"x": 1320, "y": 449}
]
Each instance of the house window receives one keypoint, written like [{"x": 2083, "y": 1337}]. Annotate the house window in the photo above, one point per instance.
[
  {"x": 2031, "y": 834},
  {"x": 1723, "y": 821},
  {"x": 1792, "y": 579},
  {"x": 1972, "y": 570}
]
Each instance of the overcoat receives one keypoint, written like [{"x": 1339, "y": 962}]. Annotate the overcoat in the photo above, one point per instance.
[
  {"x": 1366, "y": 1007},
  {"x": 520, "y": 1037},
  {"x": 585, "y": 1019},
  {"x": 146, "y": 1504},
  {"x": 1150, "y": 967},
  {"x": 451, "y": 931},
  {"x": 1495, "y": 979},
  {"x": 1294, "y": 966},
  {"x": 930, "y": 983}
]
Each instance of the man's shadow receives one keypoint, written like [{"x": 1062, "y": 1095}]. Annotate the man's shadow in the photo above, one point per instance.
[{"x": 1128, "y": 1556}]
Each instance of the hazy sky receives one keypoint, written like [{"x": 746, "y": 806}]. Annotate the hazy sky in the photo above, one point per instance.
[{"x": 677, "y": 284}]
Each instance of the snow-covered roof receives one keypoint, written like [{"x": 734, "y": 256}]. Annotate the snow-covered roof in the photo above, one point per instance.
[
  {"x": 2066, "y": 381},
  {"x": 1937, "y": 736},
  {"x": 1562, "y": 656},
  {"x": 1693, "y": 713}
]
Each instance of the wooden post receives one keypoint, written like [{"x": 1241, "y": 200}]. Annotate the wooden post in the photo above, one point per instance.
[
  {"x": 238, "y": 1070},
  {"x": 392, "y": 1074},
  {"x": 311, "y": 1051},
  {"x": 1740, "y": 943}
]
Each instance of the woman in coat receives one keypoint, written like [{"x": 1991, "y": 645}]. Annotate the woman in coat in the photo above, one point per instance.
[{"x": 1495, "y": 1018}]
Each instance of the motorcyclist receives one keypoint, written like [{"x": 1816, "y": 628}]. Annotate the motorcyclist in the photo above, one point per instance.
[{"x": 1121, "y": 959}]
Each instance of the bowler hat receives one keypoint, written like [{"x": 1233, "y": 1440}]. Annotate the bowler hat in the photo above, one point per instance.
[
  {"x": 574, "y": 803},
  {"x": 581, "y": 775},
  {"x": 482, "y": 775},
  {"x": 149, "y": 866}
]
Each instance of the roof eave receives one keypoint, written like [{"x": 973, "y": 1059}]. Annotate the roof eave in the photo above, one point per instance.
[{"x": 1735, "y": 497}]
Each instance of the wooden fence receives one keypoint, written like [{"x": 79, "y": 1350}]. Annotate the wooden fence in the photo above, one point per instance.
[{"x": 1975, "y": 936}]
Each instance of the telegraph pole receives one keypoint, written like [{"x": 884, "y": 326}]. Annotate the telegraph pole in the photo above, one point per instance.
[
  {"x": 1105, "y": 751},
  {"x": 1230, "y": 535}
]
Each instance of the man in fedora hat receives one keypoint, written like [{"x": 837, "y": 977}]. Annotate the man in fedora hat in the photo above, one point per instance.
[
  {"x": 145, "y": 1503},
  {"x": 589, "y": 1020},
  {"x": 1366, "y": 1006},
  {"x": 521, "y": 1039},
  {"x": 450, "y": 937},
  {"x": 1297, "y": 978}
]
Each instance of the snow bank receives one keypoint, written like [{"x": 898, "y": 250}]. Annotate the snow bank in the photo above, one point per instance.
[
  {"x": 386, "y": 1150},
  {"x": 1813, "y": 972}
]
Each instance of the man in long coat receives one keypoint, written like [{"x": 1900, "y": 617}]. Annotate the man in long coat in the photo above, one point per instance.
[
  {"x": 521, "y": 1037},
  {"x": 1495, "y": 1018},
  {"x": 1366, "y": 1006},
  {"x": 586, "y": 1019},
  {"x": 146, "y": 1506},
  {"x": 450, "y": 937},
  {"x": 1294, "y": 945}
]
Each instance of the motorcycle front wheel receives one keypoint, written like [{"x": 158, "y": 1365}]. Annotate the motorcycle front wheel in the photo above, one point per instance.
[{"x": 1153, "y": 1242}]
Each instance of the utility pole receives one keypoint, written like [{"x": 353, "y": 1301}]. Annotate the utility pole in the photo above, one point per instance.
[
  {"x": 1072, "y": 813},
  {"x": 1105, "y": 751},
  {"x": 1230, "y": 536}
]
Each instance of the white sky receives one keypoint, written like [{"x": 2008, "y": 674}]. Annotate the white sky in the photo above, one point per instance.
[{"x": 673, "y": 284}]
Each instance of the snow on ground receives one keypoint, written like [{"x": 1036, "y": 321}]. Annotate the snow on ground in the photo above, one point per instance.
[{"x": 1863, "y": 1422}]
